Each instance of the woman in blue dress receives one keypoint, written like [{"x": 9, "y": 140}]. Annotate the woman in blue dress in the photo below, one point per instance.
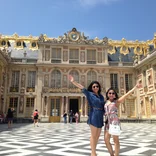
[{"x": 96, "y": 102}]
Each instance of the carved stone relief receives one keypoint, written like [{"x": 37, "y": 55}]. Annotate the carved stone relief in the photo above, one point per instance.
[
  {"x": 149, "y": 77},
  {"x": 153, "y": 105},
  {"x": 121, "y": 82},
  {"x": 65, "y": 56},
  {"x": 83, "y": 80},
  {"x": 47, "y": 55},
  {"x": 46, "y": 80},
  {"x": 82, "y": 56},
  {"x": 123, "y": 108},
  {"x": 101, "y": 81},
  {"x": 23, "y": 81},
  {"x": 99, "y": 57},
  {"x": 21, "y": 105},
  {"x": 74, "y": 37}
]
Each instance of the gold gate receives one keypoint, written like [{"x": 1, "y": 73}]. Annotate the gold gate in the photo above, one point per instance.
[{"x": 55, "y": 110}]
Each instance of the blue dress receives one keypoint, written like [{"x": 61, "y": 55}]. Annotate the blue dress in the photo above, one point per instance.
[{"x": 96, "y": 108}]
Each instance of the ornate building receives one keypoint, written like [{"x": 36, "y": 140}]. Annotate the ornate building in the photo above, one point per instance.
[{"x": 34, "y": 74}]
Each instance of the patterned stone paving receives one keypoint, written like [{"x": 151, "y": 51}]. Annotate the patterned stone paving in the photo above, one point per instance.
[{"x": 58, "y": 139}]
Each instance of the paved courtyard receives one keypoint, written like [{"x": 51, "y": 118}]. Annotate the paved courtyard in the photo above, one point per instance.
[{"x": 58, "y": 139}]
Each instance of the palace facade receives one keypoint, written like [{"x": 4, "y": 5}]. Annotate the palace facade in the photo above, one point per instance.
[{"x": 34, "y": 74}]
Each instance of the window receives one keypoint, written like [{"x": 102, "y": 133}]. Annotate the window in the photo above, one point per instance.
[
  {"x": 91, "y": 56},
  {"x": 56, "y": 79},
  {"x": 29, "y": 107},
  {"x": 91, "y": 76},
  {"x": 15, "y": 79},
  {"x": 74, "y": 56},
  {"x": 128, "y": 82},
  {"x": 56, "y": 55},
  {"x": 13, "y": 102},
  {"x": 31, "y": 79},
  {"x": 114, "y": 81},
  {"x": 30, "y": 102},
  {"x": 75, "y": 74}
]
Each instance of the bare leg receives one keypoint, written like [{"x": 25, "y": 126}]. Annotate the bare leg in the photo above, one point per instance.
[
  {"x": 94, "y": 138},
  {"x": 98, "y": 135},
  {"x": 107, "y": 137},
  {"x": 9, "y": 124},
  {"x": 37, "y": 122},
  {"x": 34, "y": 122},
  {"x": 117, "y": 145}
]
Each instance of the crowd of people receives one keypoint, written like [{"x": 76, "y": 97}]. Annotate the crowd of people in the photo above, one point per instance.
[{"x": 71, "y": 116}]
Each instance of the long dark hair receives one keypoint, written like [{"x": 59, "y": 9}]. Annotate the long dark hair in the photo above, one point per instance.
[
  {"x": 116, "y": 95},
  {"x": 9, "y": 110},
  {"x": 91, "y": 84}
]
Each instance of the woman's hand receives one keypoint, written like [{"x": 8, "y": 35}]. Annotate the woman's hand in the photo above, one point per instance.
[{"x": 71, "y": 78}]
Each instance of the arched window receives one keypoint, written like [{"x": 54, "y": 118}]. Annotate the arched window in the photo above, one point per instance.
[
  {"x": 56, "y": 79},
  {"x": 91, "y": 76},
  {"x": 75, "y": 74}
]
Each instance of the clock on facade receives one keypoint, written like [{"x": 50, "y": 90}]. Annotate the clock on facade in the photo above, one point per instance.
[{"x": 74, "y": 36}]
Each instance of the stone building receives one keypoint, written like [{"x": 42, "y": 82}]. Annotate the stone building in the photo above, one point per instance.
[{"x": 34, "y": 74}]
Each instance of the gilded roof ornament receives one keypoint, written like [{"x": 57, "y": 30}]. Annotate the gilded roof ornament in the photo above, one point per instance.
[
  {"x": 72, "y": 37},
  {"x": 15, "y": 35}
]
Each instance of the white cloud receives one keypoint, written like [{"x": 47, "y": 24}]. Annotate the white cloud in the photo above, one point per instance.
[{"x": 95, "y": 2}]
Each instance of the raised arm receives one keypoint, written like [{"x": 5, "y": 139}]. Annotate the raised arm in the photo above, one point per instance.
[
  {"x": 71, "y": 78},
  {"x": 122, "y": 98}
]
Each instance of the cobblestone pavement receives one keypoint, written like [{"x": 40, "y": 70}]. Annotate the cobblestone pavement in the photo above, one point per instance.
[{"x": 58, "y": 139}]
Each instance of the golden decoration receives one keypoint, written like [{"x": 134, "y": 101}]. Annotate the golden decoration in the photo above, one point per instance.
[
  {"x": 111, "y": 49},
  {"x": 124, "y": 50},
  {"x": 138, "y": 50}
]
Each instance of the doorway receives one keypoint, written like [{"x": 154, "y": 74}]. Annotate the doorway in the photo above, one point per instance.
[
  {"x": 74, "y": 106},
  {"x": 55, "y": 110}
]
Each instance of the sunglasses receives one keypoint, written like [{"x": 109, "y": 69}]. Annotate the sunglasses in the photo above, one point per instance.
[
  {"x": 111, "y": 93},
  {"x": 95, "y": 86}
]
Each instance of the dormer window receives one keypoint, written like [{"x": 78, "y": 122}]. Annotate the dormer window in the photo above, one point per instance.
[
  {"x": 33, "y": 44},
  {"x": 138, "y": 49},
  {"x": 3, "y": 43},
  {"x": 18, "y": 44}
]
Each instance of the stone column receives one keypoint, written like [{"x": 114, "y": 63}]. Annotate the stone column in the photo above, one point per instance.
[
  {"x": 81, "y": 106},
  {"x": 42, "y": 108},
  {"x": 105, "y": 56},
  {"x": 6, "y": 85},
  {"x": 107, "y": 79},
  {"x": 62, "y": 106},
  {"x": 39, "y": 90},
  {"x": 67, "y": 108},
  {"x": 35, "y": 103},
  {"x": 86, "y": 107},
  {"x": 67, "y": 104},
  {"x": 46, "y": 105}
]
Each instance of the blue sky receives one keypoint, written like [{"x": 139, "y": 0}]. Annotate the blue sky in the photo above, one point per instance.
[{"x": 115, "y": 19}]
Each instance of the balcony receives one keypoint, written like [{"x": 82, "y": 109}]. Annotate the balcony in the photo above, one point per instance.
[
  {"x": 30, "y": 89},
  {"x": 14, "y": 89},
  {"x": 61, "y": 90}
]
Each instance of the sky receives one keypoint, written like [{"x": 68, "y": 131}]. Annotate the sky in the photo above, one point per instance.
[{"x": 115, "y": 19}]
